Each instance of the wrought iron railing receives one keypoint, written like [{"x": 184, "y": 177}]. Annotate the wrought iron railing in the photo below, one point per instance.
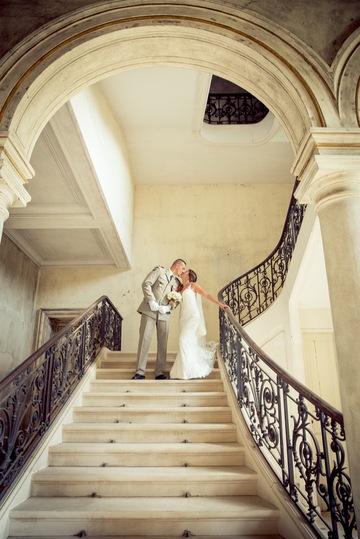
[
  {"x": 301, "y": 437},
  {"x": 236, "y": 108},
  {"x": 253, "y": 292},
  {"x": 33, "y": 394}
]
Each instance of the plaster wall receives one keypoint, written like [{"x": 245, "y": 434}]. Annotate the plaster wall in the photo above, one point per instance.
[
  {"x": 278, "y": 330},
  {"x": 219, "y": 230},
  {"x": 107, "y": 147},
  {"x": 18, "y": 282},
  {"x": 297, "y": 330}
]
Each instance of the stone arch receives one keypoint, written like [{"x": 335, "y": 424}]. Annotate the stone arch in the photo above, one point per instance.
[
  {"x": 69, "y": 54},
  {"x": 347, "y": 81}
]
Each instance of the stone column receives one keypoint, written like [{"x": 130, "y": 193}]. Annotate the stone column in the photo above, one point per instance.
[
  {"x": 328, "y": 167},
  {"x": 15, "y": 171}
]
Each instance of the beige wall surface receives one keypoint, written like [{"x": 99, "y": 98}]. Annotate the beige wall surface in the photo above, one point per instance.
[
  {"x": 18, "y": 282},
  {"x": 221, "y": 231},
  {"x": 107, "y": 147}
]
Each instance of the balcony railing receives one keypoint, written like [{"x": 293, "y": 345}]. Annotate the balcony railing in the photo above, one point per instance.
[
  {"x": 236, "y": 108},
  {"x": 33, "y": 394}
]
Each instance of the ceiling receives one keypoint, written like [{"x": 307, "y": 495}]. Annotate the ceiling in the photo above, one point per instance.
[{"x": 160, "y": 111}]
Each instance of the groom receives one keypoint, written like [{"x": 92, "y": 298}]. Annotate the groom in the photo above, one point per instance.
[{"x": 155, "y": 313}]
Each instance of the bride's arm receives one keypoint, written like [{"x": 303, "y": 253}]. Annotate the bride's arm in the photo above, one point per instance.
[{"x": 197, "y": 288}]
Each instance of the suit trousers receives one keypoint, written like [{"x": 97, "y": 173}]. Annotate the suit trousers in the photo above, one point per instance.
[{"x": 146, "y": 332}]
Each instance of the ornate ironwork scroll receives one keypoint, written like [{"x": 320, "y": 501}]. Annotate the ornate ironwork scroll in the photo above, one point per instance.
[
  {"x": 301, "y": 436},
  {"x": 236, "y": 108},
  {"x": 253, "y": 292},
  {"x": 35, "y": 392}
]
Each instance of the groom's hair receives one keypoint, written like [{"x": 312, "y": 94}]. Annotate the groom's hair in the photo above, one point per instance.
[
  {"x": 192, "y": 276},
  {"x": 178, "y": 261}
]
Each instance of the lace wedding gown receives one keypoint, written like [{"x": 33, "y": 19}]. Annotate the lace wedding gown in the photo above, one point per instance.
[{"x": 195, "y": 358}]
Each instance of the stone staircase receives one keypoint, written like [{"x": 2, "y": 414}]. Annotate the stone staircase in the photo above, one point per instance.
[{"x": 146, "y": 458}]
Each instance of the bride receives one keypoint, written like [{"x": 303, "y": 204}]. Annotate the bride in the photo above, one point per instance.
[{"x": 195, "y": 358}]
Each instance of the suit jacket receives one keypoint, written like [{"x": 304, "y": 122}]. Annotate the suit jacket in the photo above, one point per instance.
[{"x": 156, "y": 285}]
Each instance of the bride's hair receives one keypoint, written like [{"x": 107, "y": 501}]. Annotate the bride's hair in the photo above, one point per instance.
[{"x": 192, "y": 276}]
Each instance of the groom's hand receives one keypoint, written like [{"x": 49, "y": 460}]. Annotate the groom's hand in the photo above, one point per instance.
[
  {"x": 164, "y": 309},
  {"x": 153, "y": 306}
]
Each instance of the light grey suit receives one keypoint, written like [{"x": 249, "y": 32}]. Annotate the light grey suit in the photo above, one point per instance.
[{"x": 156, "y": 285}]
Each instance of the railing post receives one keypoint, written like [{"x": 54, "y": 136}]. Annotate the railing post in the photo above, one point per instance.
[
  {"x": 103, "y": 320},
  {"x": 239, "y": 366},
  {"x": 82, "y": 355},
  {"x": 284, "y": 434},
  {"x": 48, "y": 384}
]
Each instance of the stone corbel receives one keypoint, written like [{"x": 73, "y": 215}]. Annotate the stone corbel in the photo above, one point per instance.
[
  {"x": 328, "y": 166},
  {"x": 15, "y": 172}
]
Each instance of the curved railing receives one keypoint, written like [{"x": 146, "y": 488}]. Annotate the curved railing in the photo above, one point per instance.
[
  {"x": 301, "y": 436},
  {"x": 253, "y": 292},
  {"x": 33, "y": 394}
]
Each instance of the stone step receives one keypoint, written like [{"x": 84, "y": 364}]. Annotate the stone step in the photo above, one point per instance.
[
  {"x": 146, "y": 454},
  {"x": 170, "y": 517},
  {"x": 111, "y": 358},
  {"x": 138, "y": 432},
  {"x": 127, "y": 373},
  {"x": 147, "y": 536},
  {"x": 170, "y": 399},
  {"x": 158, "y": 387},
  {"x": 116, "y": 355},
  {"x": 155, "y": 414},
  {"x": 146, "y": 459},
  {"x": 145, "y": 481}
]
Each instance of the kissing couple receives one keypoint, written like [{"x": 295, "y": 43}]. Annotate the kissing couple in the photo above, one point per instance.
[{"x": 161, "y": 289}]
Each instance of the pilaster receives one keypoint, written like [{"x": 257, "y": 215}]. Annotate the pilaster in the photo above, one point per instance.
[
  {"x": 15, "y": 172},
  {"x": 327, "y": 164},
  {"x": 328, "y": 168}
]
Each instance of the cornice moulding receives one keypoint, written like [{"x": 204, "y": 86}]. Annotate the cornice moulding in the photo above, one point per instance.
[
  {"x": 15, "y": 171},
  {"x": 323, "y": 153}
]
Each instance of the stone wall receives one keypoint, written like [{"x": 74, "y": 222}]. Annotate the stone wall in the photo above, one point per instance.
[
  {"x": 18, "y": 285},
  {"x": 221, "y": 231}
]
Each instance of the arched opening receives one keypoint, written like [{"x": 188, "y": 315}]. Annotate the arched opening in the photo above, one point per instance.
[
  {"x": 245, "y": 63},
  {"x": 103, "y": 50}
]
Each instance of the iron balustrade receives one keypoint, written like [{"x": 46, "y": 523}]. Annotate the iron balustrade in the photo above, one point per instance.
[
  {"x": 32, "y": 395},
  {"x": 253, "y": 292},
  {"x": 301, "y": 436},
  {"x": 234, "y": 108}
]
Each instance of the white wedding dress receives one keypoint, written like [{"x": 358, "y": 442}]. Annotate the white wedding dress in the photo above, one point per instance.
[{"x": 195, "y": 358}]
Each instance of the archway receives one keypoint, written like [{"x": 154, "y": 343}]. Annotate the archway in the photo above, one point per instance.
[{"x": 98, "y": 42}]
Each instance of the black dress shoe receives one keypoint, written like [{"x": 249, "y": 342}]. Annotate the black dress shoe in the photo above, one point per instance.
[
  {"x": 138, "y": 376},
  {"x": 161, "y": 377}
]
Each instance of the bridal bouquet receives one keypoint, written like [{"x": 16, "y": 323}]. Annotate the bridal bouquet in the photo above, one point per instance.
[{"x": 174, "y": 298}]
